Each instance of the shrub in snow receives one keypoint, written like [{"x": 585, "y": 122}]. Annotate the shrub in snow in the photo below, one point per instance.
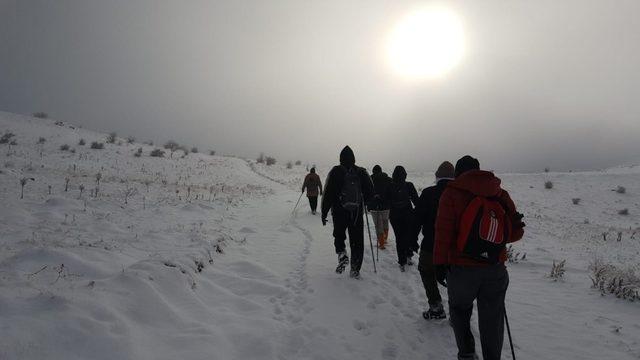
[
  {"x": 607, "y": 278},
  {"x": 23, "y": 182},
  {"x": 172, "y": 146},
  {"x": 548, "y": 185},
  {"x": 194, "y": 150},
  {"x": 81, "y": 142},
  {"x": 298, "y": 162},
  {"x": 621, "y": 190},
  {"x": 150, "y": 143},
  {"x": 546, "y": 169},
  {"x": 41, "y": 140},
  {"x": 157, "y": 153},
  {"x": 138, "y": 152},
  {"x": 513, "y": 256},
  {"x": 97, "y": 145},
  {"x": 575, "y": 201},
  {"x": 270, "y": 160},
  {"x": 128, "y": 193},
  {"x": 59, "y": 123},
  {"x": 557, "y": 270},
  {"x": 64, "y": 147},
  {"x": 6, "y": 137},
  {"x": 40, "y": 115},
  {"x": 131, "y": 139},
  {"x": 111, "y": 138},
  {"x": 289, "y": 165},
  {"x": 260, "y": 159},
  {"x": 623, "y": 212},
  {"x": 212, "y": 152}
]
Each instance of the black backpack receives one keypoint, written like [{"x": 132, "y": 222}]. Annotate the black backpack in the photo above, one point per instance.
[
  {"x": 400, "y": 197},
  {"x": 351, "y": 193}
]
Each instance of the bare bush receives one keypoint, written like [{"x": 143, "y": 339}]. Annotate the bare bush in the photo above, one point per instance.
[
  {"x": 621, "y": 190},
  {"x": 515, "y": 256},
  {"x": 97, "y": 145},
  {"x": 607, "y": 278},
  {"x": 575, "y": 201},
  {"x": 112, "y": 137},
  {"x": 212, "y": 152},
  {"x": 548, "y": 185},
  {"x": 23, "y": 182},
  {"x": 156, "y": 153},
  {"x": 40, "y": 115},
  {"x": 6, "y": 137},
  {"x": 289, "y": 165},
  {"x": 64, "y": 147},
  {"x": 41, "y": 140},
  {"x": 546, "y": 169},
  {"x": 557, "y": 270},
  {"x": 298, "y": 162},
  {"x": 194, "y": 150},
  {"x": 138, "y": 152},
  {"x": 270, "y": 160},
  {"x": 172, "y": 146},
  {"x": 82, "y": 142},
  {"x": 131, "y": 139},
  {"x": 624, "y": 211},
  {"x": 260, "y": 159}
]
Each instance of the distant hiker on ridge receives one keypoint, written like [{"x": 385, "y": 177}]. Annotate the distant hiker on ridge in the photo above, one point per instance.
[
  {"x": 476, "y": 218},
  {"x": 402, "y": 196},
  {"x": 346, "y": 188},
  {"x": 313, "y": 185},
  {"x": 426, "y": 212},
  {"x": 380, "y": 205}
]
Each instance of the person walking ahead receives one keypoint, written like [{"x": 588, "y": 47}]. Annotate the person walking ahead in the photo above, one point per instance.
[
  {"x": 313, "y": 185},
  {"x": 426, "y": 211},
  {"x": 346, "y": 188},
  {"x": 476, "y": 218},
  {"x": 379, "y": 208},
  {"x": 403, "y": 196}
]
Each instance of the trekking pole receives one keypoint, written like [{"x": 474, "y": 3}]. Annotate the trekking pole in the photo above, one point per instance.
[
  {"x": 506, "y": 320},
  {"x": 297, "y": 202},
  {"x": 370, "y": 242}
]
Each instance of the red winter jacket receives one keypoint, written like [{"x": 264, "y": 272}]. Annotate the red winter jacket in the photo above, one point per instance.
[{"x": 454, "y": 201}]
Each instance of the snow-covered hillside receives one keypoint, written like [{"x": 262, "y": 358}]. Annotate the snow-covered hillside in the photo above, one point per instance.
[{"x": 204, "y": 260}]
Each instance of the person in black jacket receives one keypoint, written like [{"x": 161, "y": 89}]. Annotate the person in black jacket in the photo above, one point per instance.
[
  {"x": 380, "y": 205},
  {"x": 426, "y": 212},
  {"x": 346, "y": 189},
  {"x": 402, "y": 196}
]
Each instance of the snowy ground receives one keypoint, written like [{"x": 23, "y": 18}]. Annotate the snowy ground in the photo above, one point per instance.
[{"x": 207, "y": 262}]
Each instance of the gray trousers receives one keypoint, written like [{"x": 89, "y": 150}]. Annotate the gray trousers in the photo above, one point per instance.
[
  {"x": 488, "y": 285},
  {"x": 380, "y": 221}
]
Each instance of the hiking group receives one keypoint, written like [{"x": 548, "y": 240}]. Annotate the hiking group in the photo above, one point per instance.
[{"x": 466, "y": 220}]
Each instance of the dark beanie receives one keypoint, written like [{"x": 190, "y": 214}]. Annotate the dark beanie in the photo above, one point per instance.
[
  {"x": 466, "y": 163},
  {"x": 377, "y": 169},
  {"x": 399, "y": 174},
  {"x": 313, "y": 170},
  {"x": 347, "y": 158},
  {"x": 445, "y": 171}
]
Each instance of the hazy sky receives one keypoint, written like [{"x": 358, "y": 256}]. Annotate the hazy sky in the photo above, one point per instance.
[{"x": 542, "y": 83}]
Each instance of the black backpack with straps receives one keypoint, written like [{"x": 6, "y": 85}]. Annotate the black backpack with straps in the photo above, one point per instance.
[{"x": 351, "y": 192}]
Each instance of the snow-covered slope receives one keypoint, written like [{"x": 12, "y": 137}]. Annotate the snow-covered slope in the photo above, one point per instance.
[{"x": 206, "y": 261}]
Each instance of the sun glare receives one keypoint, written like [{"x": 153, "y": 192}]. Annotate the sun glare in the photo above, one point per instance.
[{"x": 426, "y": 44}]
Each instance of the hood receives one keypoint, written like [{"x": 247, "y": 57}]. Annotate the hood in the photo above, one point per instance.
[
  {"x": 347, "y": 158},
  {"x": 478, "y": 182},
  {"x": 377, "y": 169},
  {"x": 399, "y": 174}
]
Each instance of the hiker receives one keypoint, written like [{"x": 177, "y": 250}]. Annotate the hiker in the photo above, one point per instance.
[
  {"x": 426, "y": 211},
  {"x": 402, "y": 196},
  {"x": 346, "y": 188},
  {"x": 313, "y": 185},
  {"x": 475, "y": 219},
  {"x": 380, "y": 205}
]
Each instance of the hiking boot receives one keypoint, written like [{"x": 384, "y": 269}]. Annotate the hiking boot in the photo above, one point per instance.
[
  {"x": 409, "y": 261},
  {"x": 354, "y": 274},
  {"x": 343, "y": 261},
  {"x": 402, "y": 269},
  {"x": 435, "y": 312}
]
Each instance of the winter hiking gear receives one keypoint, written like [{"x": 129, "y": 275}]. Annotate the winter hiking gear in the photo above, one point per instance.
[
  {"x": 313, "y": 204},
  {"x": 373, "y": 259},
  {"x": 454, "y": 200},
  {"x": 346, "y": 220},
  {"x": 297, "y": 202},
  {"x": 403, "y": 196},
  {"x": 470, "y": 279},
  {"x": 354, "y": 274},
  {"x": 487, "y": 285},
  {"x": 484, "y": 227},
  {"x": 381, "y": 182},
  {"x": 343, "y": 261},
  {"x": 312, "y": 184},
  {"x": 426, "y": 211},
  {"x": 435, "y": 312},
  {"x": 506, "y": 321},
  {"x": 381, "y": 225}
]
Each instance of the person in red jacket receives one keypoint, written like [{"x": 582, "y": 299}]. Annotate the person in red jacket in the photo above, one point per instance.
[
  {"x": 313, "y": 185},
  {"x": 473, "y": 278}
]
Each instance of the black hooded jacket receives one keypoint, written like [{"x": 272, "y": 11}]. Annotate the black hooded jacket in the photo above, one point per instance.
[
  {"x": 335, "y": 180},
  {"x": 426, "y": 212},
  {"x": 401, "y": 194},
  {"x": 381, "y": 182}
]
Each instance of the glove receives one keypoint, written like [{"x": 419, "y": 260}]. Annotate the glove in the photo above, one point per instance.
[
  {"x": 518, "y": 220},
  {"x": 441, "y": 274},
  {"x": 324, "y": 220}
]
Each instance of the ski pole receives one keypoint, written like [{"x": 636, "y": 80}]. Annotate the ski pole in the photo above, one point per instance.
[
  {"x": 297, "y": 202},
  {"x": 370, "y": 242},
  {"x": 506, "y": 320}
]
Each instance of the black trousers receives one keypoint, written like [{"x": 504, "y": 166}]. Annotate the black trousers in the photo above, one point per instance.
[
  {"x": 406, "y": 237},
  {"x": 351, "y": 223},
  {"x": 488, "y": 285},
  {"x": 428, "y": 276},
  {"x": 313, "y": 203}
]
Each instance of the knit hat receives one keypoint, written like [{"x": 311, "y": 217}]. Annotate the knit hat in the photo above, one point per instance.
[
  {"x": 445, "y": 171},
  {"x": 466, "y": 163},
  {"x": 377, "y": 169}
]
